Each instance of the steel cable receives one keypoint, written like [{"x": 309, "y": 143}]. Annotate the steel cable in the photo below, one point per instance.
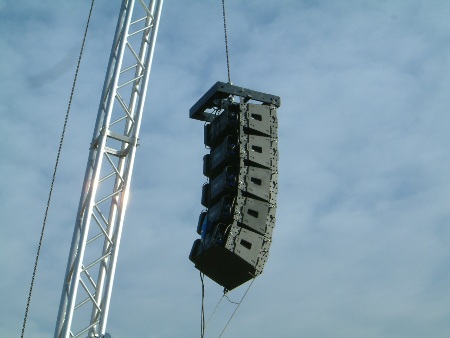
[
  {"x": 232, "y": 315},
  {"x": 202, "y": 316},
  {"x": 226, "y": 40},
  {"x": 214, "y": 311},
  {"x": 55, "y": 170},
  {"x": 225, "y": 291}
]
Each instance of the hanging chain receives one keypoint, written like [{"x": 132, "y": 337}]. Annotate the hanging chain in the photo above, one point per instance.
[
  {"x": 54, "y": 172},
  {"x": 226, "y": 40}
]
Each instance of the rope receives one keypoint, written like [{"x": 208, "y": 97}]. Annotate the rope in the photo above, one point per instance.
[
  {"x": 229, "y": 320},
  {"x": 54, "y": 173},
  {"x": 226, "y": 40}
]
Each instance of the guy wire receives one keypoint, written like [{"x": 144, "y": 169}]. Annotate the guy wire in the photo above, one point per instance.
[
  {"x": 54, "y": 172},
  {"x": 229, "y": 320}
]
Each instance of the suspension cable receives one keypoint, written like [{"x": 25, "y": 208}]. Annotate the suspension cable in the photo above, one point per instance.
[
  {"x": 202, "y": 315},
  {"x": 55, "y": 170},
  {"x": 237, "y": 306},
  {"x": 226, "y": 40},
  {"x": 214, "y": 311}
]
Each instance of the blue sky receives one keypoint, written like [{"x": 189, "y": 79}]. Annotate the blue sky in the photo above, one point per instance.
[{"x": 361, "y": 241}]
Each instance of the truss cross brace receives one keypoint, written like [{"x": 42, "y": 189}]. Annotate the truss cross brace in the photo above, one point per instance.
[{"x": 107, "y": 183}]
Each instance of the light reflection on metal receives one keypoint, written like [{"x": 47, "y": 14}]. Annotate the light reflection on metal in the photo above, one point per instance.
[{"x": 100, "y": 217}]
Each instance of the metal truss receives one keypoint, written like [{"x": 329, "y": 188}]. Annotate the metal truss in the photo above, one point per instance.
[{"x": 95, "y": 244}]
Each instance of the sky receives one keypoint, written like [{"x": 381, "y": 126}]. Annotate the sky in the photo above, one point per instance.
[{"x": 361, "y": 242}]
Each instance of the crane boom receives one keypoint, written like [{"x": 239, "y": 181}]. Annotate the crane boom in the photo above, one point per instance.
[{"x": 96, "y": 238}]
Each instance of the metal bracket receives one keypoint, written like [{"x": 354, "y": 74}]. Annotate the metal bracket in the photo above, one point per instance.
[{"x": 221, "y": 90}]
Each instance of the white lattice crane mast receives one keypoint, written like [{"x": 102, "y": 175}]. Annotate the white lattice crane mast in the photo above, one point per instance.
[{"x": 95, "y": 244}]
